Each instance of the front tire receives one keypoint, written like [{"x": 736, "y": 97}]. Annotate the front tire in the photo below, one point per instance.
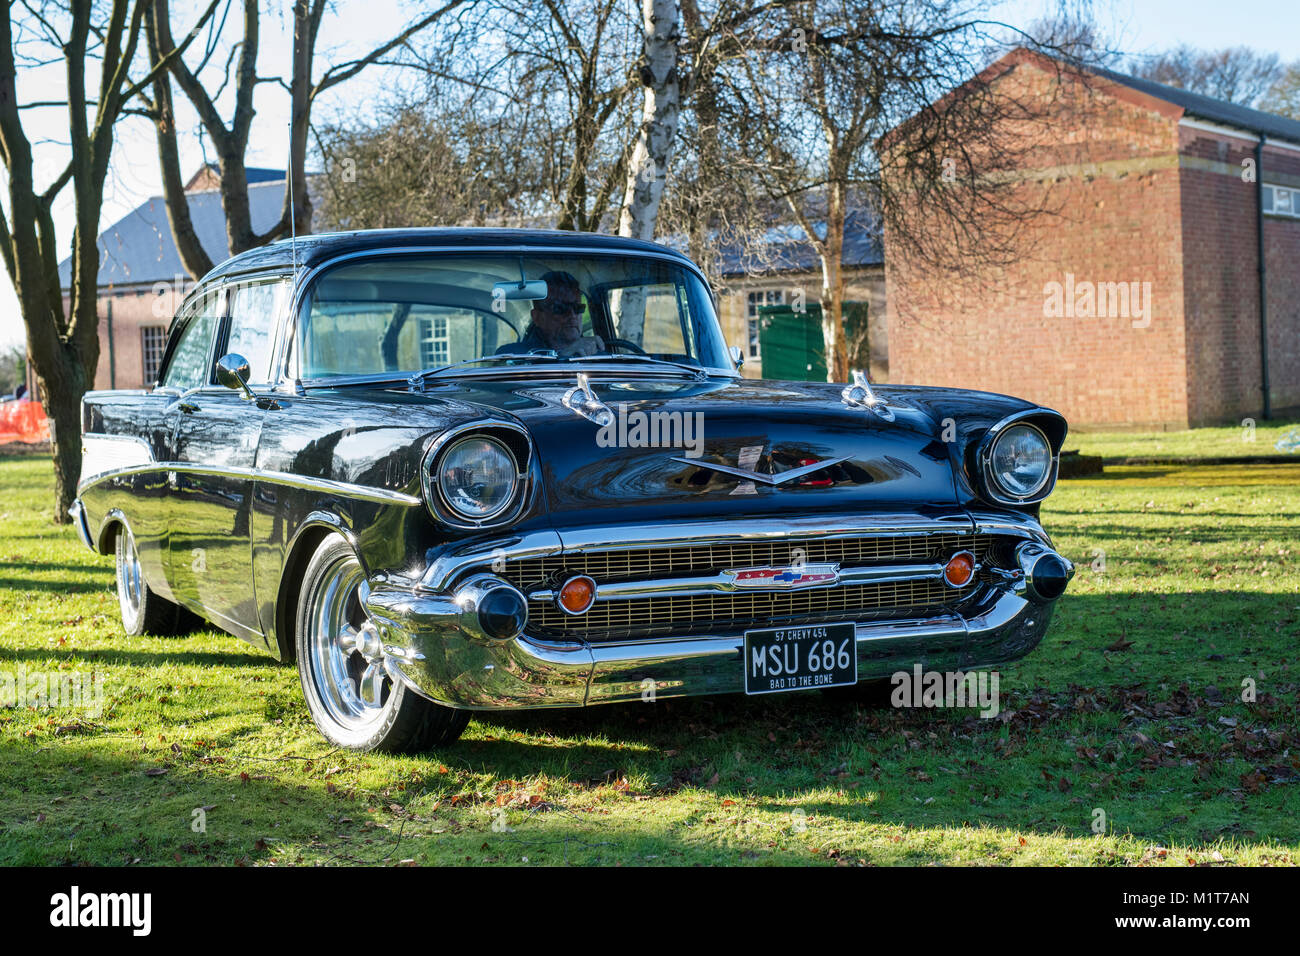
[
  {"x": 351, "y": 697},
  {"x": 143, "y": 611}
]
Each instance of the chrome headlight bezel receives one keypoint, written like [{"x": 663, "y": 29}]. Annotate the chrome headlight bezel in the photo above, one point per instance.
[
  {"x": 993, "y": 490},
  {"x": 511, "y": 439}
]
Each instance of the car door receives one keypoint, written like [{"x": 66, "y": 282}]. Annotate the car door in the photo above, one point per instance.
[{"x": 214, "y": 447}]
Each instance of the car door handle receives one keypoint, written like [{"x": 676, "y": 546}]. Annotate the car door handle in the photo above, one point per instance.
[{"x": 189, "y": 408}]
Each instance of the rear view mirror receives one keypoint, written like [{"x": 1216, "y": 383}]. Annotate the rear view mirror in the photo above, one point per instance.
[{"x": 523, "y": 289}]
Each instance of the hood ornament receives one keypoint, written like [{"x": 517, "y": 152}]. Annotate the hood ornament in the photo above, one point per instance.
[
  {"x": 582, "y": 400},
  {"x": 861, "y": 395}
]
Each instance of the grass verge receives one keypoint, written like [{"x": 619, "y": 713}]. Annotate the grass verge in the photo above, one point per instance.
[{"x": 1129, "y": 716}]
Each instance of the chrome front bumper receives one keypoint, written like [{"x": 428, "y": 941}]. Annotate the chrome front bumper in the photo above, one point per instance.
[
  {"x": 432, "y": 645},
  {"x": 78, "y": 515}
]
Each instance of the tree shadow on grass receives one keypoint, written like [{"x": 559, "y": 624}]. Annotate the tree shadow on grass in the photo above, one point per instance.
[
  {"x": 1166, "y": 764},
  {"x": 133, "y": 657}
]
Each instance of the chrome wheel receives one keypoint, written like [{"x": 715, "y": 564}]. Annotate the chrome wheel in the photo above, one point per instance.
[
  {"x": 345, "y": 654},
  {"x": 130, "y": 579}
]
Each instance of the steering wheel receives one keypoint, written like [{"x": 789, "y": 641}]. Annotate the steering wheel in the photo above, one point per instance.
[{"x": 630, "y": 346}]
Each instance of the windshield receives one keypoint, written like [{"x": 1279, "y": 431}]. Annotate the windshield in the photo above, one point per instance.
[{"x": 417, "y": 313}]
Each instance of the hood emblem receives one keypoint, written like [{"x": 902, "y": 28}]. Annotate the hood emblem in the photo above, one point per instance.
[
  {"x": 778, "y": 479},
  {"x": 785, "y": 578},
  {"x": 861, "y": 395}
]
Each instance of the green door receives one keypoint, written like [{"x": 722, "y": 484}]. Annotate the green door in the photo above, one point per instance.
[{"x": 791, "y": 342}]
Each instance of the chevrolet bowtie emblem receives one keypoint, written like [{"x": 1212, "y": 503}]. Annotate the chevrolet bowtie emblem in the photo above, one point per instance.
[
  {"x": 777, "y": 479},
  {"x": 783, "y": 578}
]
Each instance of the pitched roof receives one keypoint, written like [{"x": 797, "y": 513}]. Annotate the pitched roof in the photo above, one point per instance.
[
  {"x": 139, "y": 250},
  {"x": 786, "y": 248},
  {"x": 1209, "y": 108}
]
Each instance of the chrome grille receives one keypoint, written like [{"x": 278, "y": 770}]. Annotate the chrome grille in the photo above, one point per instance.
[{"x": 659, "y": 616}]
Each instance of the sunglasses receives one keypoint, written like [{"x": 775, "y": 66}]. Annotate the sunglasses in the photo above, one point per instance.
[{"x": 559, "y": 308}]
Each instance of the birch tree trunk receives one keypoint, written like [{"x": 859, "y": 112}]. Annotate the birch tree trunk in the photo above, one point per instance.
[
  {"x": 647, "y": 168},
  {"x": 831, "y": 253}
]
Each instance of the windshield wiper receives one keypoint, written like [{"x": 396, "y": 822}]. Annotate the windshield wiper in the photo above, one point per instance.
[
  {"x": 416, "y": 381},
  {"x": 696, "y": 370}
]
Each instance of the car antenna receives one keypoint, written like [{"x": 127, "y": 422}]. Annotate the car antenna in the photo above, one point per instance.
[{"x": 293, "y": 212}]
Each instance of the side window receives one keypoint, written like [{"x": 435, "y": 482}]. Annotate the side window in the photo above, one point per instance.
[
  {"x": 253, "y": 315},
  {"x": 189, "y": 365}
]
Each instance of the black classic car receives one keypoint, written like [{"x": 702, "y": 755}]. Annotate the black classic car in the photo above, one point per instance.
[{"x": 450, "y": 470}]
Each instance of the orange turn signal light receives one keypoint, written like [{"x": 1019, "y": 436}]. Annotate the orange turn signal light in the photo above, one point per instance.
[
  {"x": 960, "y": 569},
  {"x": 577, "y": 594}
]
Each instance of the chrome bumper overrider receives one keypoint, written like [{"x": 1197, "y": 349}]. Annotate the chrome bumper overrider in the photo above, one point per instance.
[
  {"x": 78, "y": 515},
  {"x": 433, "y": 643}
]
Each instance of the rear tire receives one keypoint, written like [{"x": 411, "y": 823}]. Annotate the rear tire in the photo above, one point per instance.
[
  {"x": 351, "y": 698},
  {"x": 143, "y": 611}
]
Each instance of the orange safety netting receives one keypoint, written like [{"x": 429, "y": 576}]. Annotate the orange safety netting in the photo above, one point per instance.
[{"x": 23, "y": 421}]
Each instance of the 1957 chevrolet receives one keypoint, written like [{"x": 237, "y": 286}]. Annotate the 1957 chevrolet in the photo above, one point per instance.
[{"x": 455, "y": 470}]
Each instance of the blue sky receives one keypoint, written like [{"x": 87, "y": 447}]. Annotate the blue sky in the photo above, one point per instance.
[{"x": 1137, "y": 26}]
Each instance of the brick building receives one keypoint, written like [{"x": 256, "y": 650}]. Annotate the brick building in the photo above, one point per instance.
[
  {"x": 1139, "y": 303},
  {"x": 786, "y": 270},
  {"x": 141, "y": 279}
]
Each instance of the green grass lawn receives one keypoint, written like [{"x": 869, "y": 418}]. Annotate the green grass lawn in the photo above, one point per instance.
[
  {"x": 1131, "y": 708},
  {"x": 1244, "y": 440}
]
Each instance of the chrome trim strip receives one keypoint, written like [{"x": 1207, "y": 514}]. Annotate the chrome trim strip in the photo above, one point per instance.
[
  {"x": 343, "y": 488},
  {"x": 735, "y": 530},
  {"x": 1022, "y": 525},
  {"x": 449, "y": 565},
  {"x": 101, "y": 454},
  {"x": 724, "y": 583}
]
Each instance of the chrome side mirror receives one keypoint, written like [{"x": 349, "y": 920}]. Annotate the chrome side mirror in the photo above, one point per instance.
[
  {"x": 737, "y": 356},
  {"x": 232, "y": 372}
]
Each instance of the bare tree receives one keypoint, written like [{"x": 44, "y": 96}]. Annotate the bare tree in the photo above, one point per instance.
[
  {"x": 384, "y": 175},
  {"x": 64, "y": 343},
  {"x": 1283, "y": 97},
  {"x": 891, "y": 105},
  {"x": 570, "y": 66},
  {"x": 230, "y": 138},
  {"x": 1236, "y": 74}
]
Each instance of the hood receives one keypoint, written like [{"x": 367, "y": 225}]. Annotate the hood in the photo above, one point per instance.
[{"x": 655, "y": 460}]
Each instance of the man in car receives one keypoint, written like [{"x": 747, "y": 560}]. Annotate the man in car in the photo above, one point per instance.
[{"x": 557, "y": 321}]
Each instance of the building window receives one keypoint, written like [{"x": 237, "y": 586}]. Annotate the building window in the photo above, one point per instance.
[
  {"x": 1281, "y": 201},
  {"x": 435, "y": 345},
  {"x": 153, "y": 342},
  {"x": 753, "y": 302}
]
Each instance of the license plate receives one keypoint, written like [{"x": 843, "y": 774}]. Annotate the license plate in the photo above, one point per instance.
[{"x": 800, "y": 658}]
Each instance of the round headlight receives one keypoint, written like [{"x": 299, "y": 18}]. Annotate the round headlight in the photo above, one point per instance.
[
  {"x": 477, "y": 478},
  {"x": 1020, "y": 461}
]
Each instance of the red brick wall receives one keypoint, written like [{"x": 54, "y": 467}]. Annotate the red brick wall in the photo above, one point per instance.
[
  {"x": 1116, "y": 182},
  {"x": 131, "y": 312},
  {"x": 1282, "y": 259},
  {"x": 1220, "y": 262}
]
